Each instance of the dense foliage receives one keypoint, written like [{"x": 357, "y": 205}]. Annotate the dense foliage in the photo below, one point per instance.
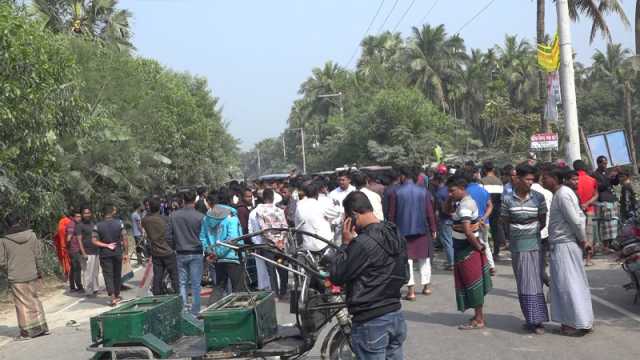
[
  {"x": 407, "y": 95},
  {"x": 82, "y": 121}
]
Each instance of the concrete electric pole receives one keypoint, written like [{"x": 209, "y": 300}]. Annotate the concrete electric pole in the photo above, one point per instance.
[{"x": 567, "y": 83}]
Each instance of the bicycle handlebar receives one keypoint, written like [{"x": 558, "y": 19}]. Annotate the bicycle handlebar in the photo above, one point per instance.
[{"x": 293, "y": 230}]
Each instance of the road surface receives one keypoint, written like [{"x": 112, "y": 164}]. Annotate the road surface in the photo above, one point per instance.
[{"x": 432, "y": 322}]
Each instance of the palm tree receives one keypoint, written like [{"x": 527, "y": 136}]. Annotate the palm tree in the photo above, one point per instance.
[
  {"x": 638, "y": 27},
  {"x": 434, "y": 58},
  {"x": 596, "y": 12},
  {"x": 96, "y": 18},
  {"x": 381, "y": 53},
  {"x": 613, "y": 67},
  {"x": 517, "y": 62}
]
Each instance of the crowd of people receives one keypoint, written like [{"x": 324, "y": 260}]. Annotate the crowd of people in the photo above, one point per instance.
[{"x": 545, "y": 215}]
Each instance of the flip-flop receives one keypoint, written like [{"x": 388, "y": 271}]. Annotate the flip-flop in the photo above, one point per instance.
[
  {"x": 471, "y": 325},
  {"x": 410, "y": 298},
  {"x": 427, "y": 291}
]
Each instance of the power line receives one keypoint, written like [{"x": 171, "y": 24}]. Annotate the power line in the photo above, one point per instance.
[
  {"x": 373, "y": 20},
  {"x": 475, "y": 16},
  {"x": 403, "y": 15},
  {"x": 388, "y": 16},
  {"x": 429, "y": 12}
]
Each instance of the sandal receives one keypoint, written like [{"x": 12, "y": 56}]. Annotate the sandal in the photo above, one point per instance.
[
  {"x": 589, "y": 263},
  {"x": 410, "y": 298},
  {"x": 427, "y": 291},
  {"x": 471, "y": 325}
]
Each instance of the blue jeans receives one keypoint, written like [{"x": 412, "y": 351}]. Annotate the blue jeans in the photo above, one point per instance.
[
  {"x": 379, "y": 338},
  {"x": 190, "y": 271},
  {"x": 445, "y": 235}
]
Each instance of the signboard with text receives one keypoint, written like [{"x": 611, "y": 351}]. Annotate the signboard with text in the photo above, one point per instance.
[{"x": 544, "y": 142}]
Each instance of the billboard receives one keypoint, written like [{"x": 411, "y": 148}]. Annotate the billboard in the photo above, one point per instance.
[{"x": 611, "y": 144}]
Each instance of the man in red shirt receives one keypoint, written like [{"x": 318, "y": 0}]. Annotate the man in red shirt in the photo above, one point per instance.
[{"x": 587, "y": 194}]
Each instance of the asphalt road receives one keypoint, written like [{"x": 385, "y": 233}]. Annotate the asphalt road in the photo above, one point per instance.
[{"x": 432, "y": 322}]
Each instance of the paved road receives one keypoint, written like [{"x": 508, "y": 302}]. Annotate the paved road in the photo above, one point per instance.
[{"x": 431, "y": 321}]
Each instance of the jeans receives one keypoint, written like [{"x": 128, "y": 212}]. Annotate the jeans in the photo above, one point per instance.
[
  {"x": 160, "y": 265},
  {"x": 379, "y": 338},
  {"x": 75, "y": 277},
  {"x": 112, "y": 273},
  {"x": 445, "y": 235},
  {"x": 190, "y": 271}
]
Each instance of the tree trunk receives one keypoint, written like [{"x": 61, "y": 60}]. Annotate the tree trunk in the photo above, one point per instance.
[
  {"x": 638, "y": 27},
  {"x": 627, "y": 114}
]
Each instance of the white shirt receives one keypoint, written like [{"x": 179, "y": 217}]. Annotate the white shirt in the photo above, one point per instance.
[
  {"x": 548, "y": 197},
  {"x": 254, "y": 226},
  {"x": 376, "y": 202},
  {"x": 311, "y": 214},
  {"x": 277, "y": 198},
  {"x": 339, "y": 195}
]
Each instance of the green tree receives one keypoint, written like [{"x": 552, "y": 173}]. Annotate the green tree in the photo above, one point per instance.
[
  {"x": 95, "y": 18},
  {"x": 435, "y": 58}
]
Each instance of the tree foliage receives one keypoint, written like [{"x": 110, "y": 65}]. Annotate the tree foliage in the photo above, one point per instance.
[{"x": 82, "y": 122}]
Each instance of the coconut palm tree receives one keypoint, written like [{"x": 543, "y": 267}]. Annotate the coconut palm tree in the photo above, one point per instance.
[
  {"x": 613, "y": 67},
  {"x": 434, "y": 58},
  {"x": 96, "y": 18},
  {"x": 592, "y": 10},
  {"x": 517, "y": 65}
]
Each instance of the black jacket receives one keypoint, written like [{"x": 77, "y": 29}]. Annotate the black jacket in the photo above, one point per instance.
[{"x": 373, "y": 268}]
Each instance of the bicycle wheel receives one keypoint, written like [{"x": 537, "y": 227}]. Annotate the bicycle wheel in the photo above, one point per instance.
[{"x": 340, "y": 347}]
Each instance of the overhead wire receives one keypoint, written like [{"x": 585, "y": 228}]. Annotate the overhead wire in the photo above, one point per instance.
[
  {"x": 475, "y": 16},
  {"x": 429, "y": 12},
  {"x": 388, "y": 16},
  {"x": 366, "y": 32},
  {"x": 404, "y": 15}
]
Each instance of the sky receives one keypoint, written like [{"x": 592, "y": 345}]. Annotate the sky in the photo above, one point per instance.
[{"x": 255, "y": 54}]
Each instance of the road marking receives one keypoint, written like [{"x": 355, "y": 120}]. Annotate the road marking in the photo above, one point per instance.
[
  {"x": 615, "y": 307},
  {"x": 84, "y": 298},
  {"x": 69, "y": 306}
]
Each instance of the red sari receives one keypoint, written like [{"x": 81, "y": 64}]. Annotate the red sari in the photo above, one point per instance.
[{"x": 61, "y": 245}]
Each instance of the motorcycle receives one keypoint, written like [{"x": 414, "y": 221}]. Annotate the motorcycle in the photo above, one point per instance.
[{"x": 630, "y": 253}]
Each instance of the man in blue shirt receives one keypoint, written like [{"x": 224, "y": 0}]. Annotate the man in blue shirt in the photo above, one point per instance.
[
  {"x": 445, "y": 238},
  {"x": 485, "y": 208}
]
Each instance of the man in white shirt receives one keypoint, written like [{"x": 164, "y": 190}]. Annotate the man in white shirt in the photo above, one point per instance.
[
  {"x": 360, "y": 181},
  {"x": 310, "y": 217},
  {"x": 338, "y": 195},
  {"x": 344, "y": 187},
  {"x": 332, "y": 209},
  {"x": 264, "y": 281}
]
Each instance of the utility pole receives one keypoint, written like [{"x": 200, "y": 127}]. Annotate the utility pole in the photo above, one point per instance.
[
  {"x": 304, "y": 154},
  {"x": 284, "y": 149},
  {"x": 304, "y": 157},
  {"x": 567, "y": 83},
  {"x": 259, "y": 167}
]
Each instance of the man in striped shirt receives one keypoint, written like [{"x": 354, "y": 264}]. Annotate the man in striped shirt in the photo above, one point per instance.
[{"x": 525, "y": 214}]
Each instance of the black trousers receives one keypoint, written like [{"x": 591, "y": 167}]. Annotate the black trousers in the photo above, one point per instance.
[
  {"x": 75, "y": 276},
  {"x": 233, "y": 272},
  {"x": 278, "y": 289},
  {"x": 112, "y": 273},
  {"x": 162, "y": 265}
]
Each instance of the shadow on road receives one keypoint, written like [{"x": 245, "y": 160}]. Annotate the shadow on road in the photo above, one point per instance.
[
  {"x": 508, "y": 323},
  {"x": 9, "y": 331}
]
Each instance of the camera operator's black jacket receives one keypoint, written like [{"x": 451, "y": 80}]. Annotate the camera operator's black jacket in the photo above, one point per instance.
[{"x": 373, "y": 268}]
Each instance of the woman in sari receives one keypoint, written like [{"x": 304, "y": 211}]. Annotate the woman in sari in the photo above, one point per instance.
[{"x": 471, "y": 267}]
